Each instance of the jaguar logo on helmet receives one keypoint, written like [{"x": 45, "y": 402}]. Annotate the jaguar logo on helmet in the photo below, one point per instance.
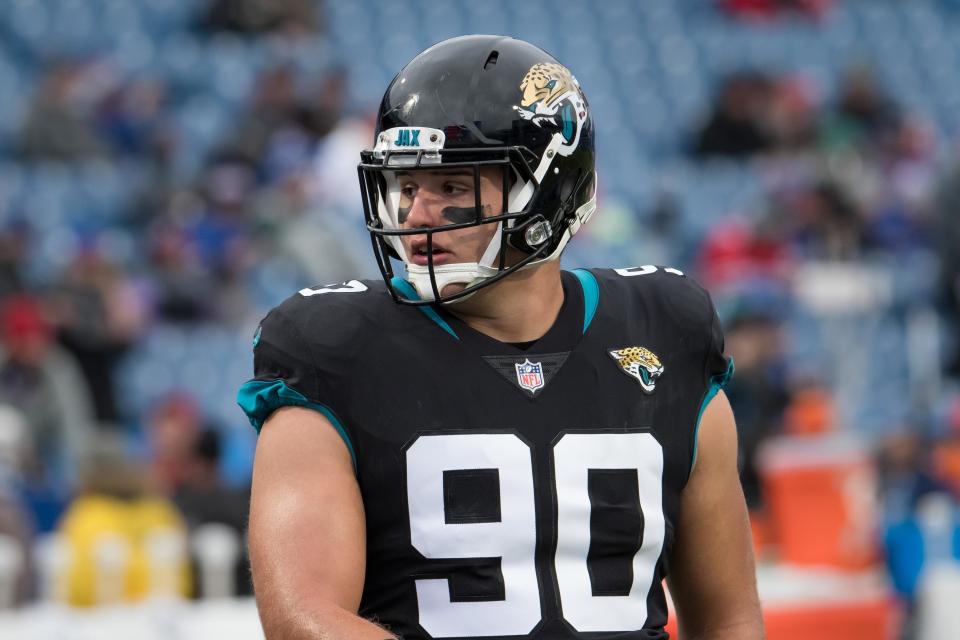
[
  {"x": 552, "y": 97},
  {"x": 640, "y": 364}
]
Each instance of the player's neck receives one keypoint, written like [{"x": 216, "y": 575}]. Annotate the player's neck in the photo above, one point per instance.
[{"x": 519, "y": 308}]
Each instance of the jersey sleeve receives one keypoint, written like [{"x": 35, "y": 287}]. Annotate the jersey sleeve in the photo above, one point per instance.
[
  {"x": 718, "y": 367},
  {"x": 286, "y": 373}
]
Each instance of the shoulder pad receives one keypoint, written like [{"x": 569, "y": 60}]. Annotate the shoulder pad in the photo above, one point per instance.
[
  {"x": 666, "y": 290},
  {"x": 325, "y": 320},
  {"x": 346, "y": 303}
]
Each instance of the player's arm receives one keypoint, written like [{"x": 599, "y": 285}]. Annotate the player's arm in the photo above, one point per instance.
[
  {"x": 712, "y": 576},
  {"x": 307, "y": 532}
]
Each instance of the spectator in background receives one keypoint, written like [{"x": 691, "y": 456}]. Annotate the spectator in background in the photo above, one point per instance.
[
  {"x": 184, "y": 290},
  {"x": 14, "y": 242},
  {"x": 898, "y": 218},
  {"x": 291, "y": 225},
  {"x": 200, "y": 246},
  {"x": 864, "y": 114},
  {"x": 172, "y": 430},
  {"x": 946, "y": 221},
  {"x": 15, "y": 520},
  {"x": 903, "y": 463},
  {"x": 220, "y": 233},
  {"x": 132, "y": 117},
  {"x": 920, "y": 492},
  {"x": 218, "y": 228},
  {"x": 758, "y": 392},
  {"x": 792, "y": 117},
  {"x": 946, "y": 453},
  {"x": 98, "y": 314},
  {"x": 308, "y": 170},
  {"x": 286, "y": 125},
  {"x": 333, "y": 188},
  {"x": 864, "y": 105},
  {"x": 824, "y": 222},
  {"x": 272, "y": 106},
  {"x": 755, "y": 113},
  {"x": 736, "y": 255},
  {"x": 771, "y": 9},
  {"x": 292, "y": 147},
  {"x": 203, "y": 498},
  {"x": 738, "y": 125},
  {"x": 47, "y": 386},
  {"x": 59, "y": 125},
  {"x": 115, "y": 507},
  {"x": 136, "y": 117}
]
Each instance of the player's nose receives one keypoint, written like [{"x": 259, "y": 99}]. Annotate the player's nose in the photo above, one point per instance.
[{"x": 424, "y": 211}]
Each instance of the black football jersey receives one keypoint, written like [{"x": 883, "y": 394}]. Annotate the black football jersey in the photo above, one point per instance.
[{"x": 520, "y": 491}]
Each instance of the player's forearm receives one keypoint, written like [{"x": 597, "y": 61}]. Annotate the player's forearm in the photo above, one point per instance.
[{"x": 321, "y": 622}]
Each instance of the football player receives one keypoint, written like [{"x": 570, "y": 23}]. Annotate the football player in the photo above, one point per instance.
[{"x": 484, "y": 445}]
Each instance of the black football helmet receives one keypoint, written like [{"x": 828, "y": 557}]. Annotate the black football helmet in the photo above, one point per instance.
[{"x": 472, "y": 102}]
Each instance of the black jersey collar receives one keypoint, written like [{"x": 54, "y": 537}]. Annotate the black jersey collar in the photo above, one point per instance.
[{"x": 407, "y": 290}]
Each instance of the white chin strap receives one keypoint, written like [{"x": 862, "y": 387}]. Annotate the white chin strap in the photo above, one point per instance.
[{"x": 464, "y": 273}]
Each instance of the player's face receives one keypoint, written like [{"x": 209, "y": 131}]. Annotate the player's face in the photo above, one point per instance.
[{"x": 437, "y": 198}]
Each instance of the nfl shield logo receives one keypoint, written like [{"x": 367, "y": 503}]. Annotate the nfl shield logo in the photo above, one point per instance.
[{"x": 530, "y": 375}]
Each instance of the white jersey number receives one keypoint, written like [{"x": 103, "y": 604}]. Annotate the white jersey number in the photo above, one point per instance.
[
  {"x": 353, "y": 286},
  {"x": 646, "y": 270},
  {"x": 512, "y": 537}
]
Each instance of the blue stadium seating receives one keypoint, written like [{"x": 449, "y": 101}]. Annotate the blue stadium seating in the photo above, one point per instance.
[{"x": 650, "y": 69}]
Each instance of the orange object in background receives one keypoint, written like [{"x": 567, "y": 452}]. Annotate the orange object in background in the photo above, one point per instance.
[
  {"x": 877, "y": 619},
  {"x": 763, "y": 535},
  {"x": 869, "y": 620},
  {"x": 810, "y": 412},
  {"x": 820, "y": 493},
  {"x": 946, "y": 463}
]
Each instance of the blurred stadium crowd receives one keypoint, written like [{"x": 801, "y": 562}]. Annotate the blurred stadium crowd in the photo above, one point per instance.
[{"x": 169, "y": 170}]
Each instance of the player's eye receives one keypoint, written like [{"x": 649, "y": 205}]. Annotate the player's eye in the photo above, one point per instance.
[
  {"x": 453, "y": 189},
  {"x": 408, "y": 191}
]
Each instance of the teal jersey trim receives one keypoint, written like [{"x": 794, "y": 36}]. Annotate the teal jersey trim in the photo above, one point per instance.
[
  {"x": 717, "y": 383},
  {"x": 260, "y": 398},
  {"x": 591, "y": 295},
  {"x": 410, "y": 293}
]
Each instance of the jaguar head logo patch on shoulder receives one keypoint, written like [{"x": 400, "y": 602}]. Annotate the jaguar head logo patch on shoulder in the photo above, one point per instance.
[{"x": 639, "y": 363}]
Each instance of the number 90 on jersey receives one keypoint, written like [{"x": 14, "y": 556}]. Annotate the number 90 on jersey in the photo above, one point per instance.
[{"x": 600, "y": 589}]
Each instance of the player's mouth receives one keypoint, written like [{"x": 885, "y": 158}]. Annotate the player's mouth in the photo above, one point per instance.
[{"x": 420, "y": 256}]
